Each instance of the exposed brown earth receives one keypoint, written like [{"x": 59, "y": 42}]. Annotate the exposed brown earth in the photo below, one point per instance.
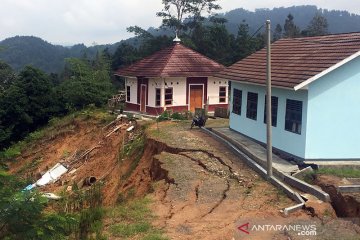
[
  {"x": 199, "y": 188},
  {"x": 346, "y": 205}
]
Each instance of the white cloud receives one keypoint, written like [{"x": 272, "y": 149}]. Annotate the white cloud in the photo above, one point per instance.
[{"x": 105, "y": 21}]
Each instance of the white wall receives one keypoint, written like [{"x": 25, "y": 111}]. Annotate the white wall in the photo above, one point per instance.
[
  {"x": 213, "y": 90},
  {"x": 153, "y": 84},
  {"x": 179, "y": 90},
  {"x": 132, "y": 82}
]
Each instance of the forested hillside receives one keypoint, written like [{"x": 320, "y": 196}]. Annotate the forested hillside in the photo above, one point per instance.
[
  {"x": 339, "y": 21},
  {"x": 21, "y": 51}
]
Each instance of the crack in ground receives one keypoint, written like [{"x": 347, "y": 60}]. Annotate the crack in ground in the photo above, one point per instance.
[
  {"x": 197, "y": 192},
  {"x": 182, "y": 152},
  {"x": 172, "y": 150},
  {"x": 189, "y": 204},
  {"x": 221, "y": 200},
  {"x": 200, "y": 163},
  {"x": 164, "y": 202}
]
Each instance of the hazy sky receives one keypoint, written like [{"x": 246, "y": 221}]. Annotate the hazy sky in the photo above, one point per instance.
[{"x": 105, "y": 21}]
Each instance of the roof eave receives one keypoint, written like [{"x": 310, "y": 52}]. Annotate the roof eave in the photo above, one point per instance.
[
  {"x": 304, "y": 84},
  {"x": 257, "y": 84}
]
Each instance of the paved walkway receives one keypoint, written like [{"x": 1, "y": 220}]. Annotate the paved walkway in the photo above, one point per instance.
[{"x": 255, "y": 150}]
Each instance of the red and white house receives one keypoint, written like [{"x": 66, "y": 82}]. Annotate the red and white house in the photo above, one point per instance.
[{"x": 175, "y": 78}]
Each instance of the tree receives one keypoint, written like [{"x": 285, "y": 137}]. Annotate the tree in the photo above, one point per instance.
[
  {"x": 124, "y": 55},
  {"x": 7, "y": 76},
  {"x": 27, "y": 104},
  {"x": 245, "y": 43},
  {"x": 277, "y": 32},
  {"x": 87, "y": 83},
  {"x": 318, "y": 26},
  {"x": 290, "y": 29},
  {"x": 214, "y": 40},
  {"x": 175, "y": 11}
]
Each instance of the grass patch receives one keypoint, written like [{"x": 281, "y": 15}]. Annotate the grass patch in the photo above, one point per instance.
[
  {"x": 129, "y": 230},
  {"x": 55, "y": 127},
  {"x": 134, "y": 149},
  {"x": 132, "y": 219},
  {"x": 30, "y": 165},
  {"x": 340, "y": 172}
]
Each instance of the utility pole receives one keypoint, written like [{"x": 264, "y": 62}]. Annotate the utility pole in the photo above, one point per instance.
[{"x": 268, "y": 101}]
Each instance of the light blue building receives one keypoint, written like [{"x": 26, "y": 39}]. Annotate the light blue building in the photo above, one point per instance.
[{"x": 315, "y": 96}]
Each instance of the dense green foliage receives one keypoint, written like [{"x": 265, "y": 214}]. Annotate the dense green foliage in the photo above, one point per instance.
[
  {"x": 175, "y": 11},
  {"x": 22, "y": 214},
  {"x": 318, "y": 26},
  {"x": 33, "y": 98},
  {"x": 85, "y": 83},
  {"x": 7, "y": 76}
]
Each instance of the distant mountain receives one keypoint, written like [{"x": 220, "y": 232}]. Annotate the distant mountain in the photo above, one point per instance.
[
  {"x": 339, "y": 21},
  {"x": 20, "y": 51}
]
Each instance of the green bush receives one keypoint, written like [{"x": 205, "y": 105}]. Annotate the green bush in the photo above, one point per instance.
[
  {"x": 164, "y": 116},
  {"x": 23, "y": 216},
  {"x": 178, "y": 116}
]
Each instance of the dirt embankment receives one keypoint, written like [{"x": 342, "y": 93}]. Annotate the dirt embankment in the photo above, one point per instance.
[
  {"x": 346, "y": 205},
  {"x": 72, "y": 139},
  {"x": 199, "y": 188}
]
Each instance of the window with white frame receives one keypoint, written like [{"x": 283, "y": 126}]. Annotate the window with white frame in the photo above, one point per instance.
[
  {"x": 222, "y": 94},
  {"x": 168, "y": 96}
]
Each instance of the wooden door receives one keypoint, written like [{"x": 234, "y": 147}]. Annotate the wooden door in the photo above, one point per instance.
[
  {"x": 196, "y": 97},
  {"x": 142, "y": 98}
]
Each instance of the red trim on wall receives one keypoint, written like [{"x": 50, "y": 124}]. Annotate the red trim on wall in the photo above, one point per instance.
[
  {"x": 213, "y": 106},
  {"x": 154, "y": 110},
  {"x": 196, "y": 80},
  {"x": 132, "y": 107},
  {"x": 142, "y": 80},
  {"x": 177, "y": 108}
]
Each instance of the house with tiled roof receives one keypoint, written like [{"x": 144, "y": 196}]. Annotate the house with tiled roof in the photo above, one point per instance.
[
  {"x": 315, "y": 96},
  {"x": 175, "y": 78}
]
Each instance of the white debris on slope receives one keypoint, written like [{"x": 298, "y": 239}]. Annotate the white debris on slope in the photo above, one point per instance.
[{"x": 52, "y": 175}]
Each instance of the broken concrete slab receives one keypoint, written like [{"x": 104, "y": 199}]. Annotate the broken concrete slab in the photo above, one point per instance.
[
  {"x": 303, "y": 172},
  {"x": 349, "y": 189},
  {"x": 305, "y": 187},
  {"x": 292, "y": 209}
]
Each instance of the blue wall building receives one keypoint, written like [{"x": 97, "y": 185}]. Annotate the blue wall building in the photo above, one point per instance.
[{"x": 315, "y": 96}]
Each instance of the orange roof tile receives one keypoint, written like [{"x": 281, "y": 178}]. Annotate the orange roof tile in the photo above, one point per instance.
[{"x": 295, "y": 60}]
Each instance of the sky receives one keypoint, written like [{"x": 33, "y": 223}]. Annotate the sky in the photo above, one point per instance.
[{"x": 68, "y": 22}]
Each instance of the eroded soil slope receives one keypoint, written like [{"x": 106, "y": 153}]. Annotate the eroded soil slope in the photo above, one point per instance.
[{"x": 198, "y": 187}]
